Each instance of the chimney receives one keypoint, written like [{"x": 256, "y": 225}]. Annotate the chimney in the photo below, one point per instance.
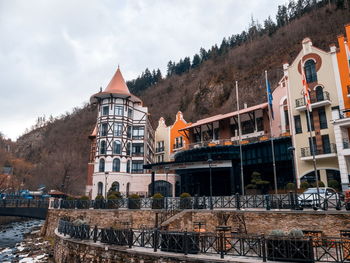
[{"x": 306, "y": 45}]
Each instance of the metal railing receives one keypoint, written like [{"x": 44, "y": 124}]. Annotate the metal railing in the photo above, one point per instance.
[
  {"x": 24, "y": 203},
  {"x": 317, "y": 98},
  {"x": 346, "y": 144},
  {"x": 280, "y": 201},
  {"x": 159, "y": 149},
  {"x": 265, "y": 247},
  {"x": 306, "y": 151}
]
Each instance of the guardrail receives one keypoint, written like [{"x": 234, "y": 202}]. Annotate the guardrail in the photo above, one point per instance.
[
  {"x": 265, "y": 247},
  {"x": 280, "y": 201},
  {"x": 24, "y": 203}
]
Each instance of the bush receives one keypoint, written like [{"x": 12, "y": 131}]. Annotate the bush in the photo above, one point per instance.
[
  {"x": 99, "y": 197},
  {"x": 290, "y": 186},
  {"x": 185, "y": 201},
  {"x": 320, "y": 184},
  {"x": 70, "y": 198},
  {"x": 158, "y": 201},
  {"x": 116, "y": 193},
  {"x": 277, "y": 233},
  {"x": 84, "y": 198},
  {"x": 334, "y": 184},
  {"x": 184, "y": 195},
  {"x": 304, "y": 185},
  {"x": 295, "y": 233},
  {"x": 112, "y": 197}
]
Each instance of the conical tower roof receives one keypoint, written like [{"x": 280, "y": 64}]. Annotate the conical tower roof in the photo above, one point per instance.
[{"x": 116, "y": 88}]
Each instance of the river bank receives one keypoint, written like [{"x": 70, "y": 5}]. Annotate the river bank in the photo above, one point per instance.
[
  {"x": 21, "y": 242},
  {"x": 10, "y": 219}
]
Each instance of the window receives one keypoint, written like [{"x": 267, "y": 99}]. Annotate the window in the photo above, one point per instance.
[
  {"x": 297, "y": 122},
  {"x": 116, "y": 165},
  {"x": 137, "y": 167},
  {"x": 130, "y": 113},
  {"x": 138, "y": 132},
  {"x": 247, "y": 127},
  {"x": 115, "y": 187},
  {"x": 128, "y": 148},
  {"x": 117, "y": 147},
  {"x": 178, "y": 142},
  {"x": 137, "y": 149},
  {"x": 118, "y": 110},
  {"x": 314, "y": 143},
  {"x": 104, "y": 129},
  {"x": 129, "y": 131},
  {"x": 118, "y": 129},
  {"x": 101, "y": 165},
  {"x": 326, "y": 144},
  {"x": 105, "y": 110},
  {"x": 128, "y": 166},
  {"x": 323, "y": 118},
  {"x": 260, "y": 124},
  {"x": 311, "y": 121},
  {"x": 160, "y": 158},
  {"x": 160, "y": 146},
  {"x": 99, "y": 188},
  {"x": 103, "y": 147},
  {"x": 319, "y": 93},
  {"x": 310, "y": 71}
]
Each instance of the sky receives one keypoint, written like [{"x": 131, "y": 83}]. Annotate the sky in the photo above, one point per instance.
[{"x": 54, "y": 54}]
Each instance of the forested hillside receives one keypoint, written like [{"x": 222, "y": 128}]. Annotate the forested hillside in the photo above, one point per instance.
[{"x": 199, "y": 87}]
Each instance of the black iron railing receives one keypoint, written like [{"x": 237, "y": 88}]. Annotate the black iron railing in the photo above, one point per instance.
[
  {"x": 24, "y": 203},
  {"x": 159, "y": 149},
  {"x": 331, "y": 148},
  {"x": 280, "y": 201},
  {"x": 319, "y": 97},
  {"x": 265, "y": 247}
]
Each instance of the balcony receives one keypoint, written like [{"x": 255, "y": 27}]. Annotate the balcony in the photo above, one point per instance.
[
  {"x": 137, "y": 154},
  {"x": 178, "y": 146},
  {"x": 321, "y": 99},
  {"x": 159, "y": 149},
  {"x": 328, "y": 151}
]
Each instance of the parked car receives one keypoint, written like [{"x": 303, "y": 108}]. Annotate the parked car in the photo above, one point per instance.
[{"x": 327, "y": 198}]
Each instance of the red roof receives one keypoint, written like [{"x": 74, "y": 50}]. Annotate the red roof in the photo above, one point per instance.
[{"x": 225, "y": 116}]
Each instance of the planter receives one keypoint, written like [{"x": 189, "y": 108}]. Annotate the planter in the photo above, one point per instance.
[
  {"x": 178, "y": 241},
  {"x": 185, "y": 203},
  {"x": 157, "y": 203},
  {"x": 290, "y": 250}
]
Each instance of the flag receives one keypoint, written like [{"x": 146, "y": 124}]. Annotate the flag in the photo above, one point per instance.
[
  {"x": 269, "y": 97},
  {"x": 306, "y": 89},
  {"x": 347, "y": 54}
]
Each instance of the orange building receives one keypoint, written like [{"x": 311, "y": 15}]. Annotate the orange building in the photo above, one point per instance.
[{"x": 177, "y": 140}]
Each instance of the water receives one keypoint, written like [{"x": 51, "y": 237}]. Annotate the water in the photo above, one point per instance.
[{"x": 12, "y": 234}]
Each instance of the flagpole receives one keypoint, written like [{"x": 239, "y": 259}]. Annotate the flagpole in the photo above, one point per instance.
[
  {"x": 240, "y": 138},
  {"x": 308, "y": 107},
  {"x": 271, "y": 137}
]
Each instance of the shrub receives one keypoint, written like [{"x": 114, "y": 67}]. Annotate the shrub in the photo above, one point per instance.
[
  {"x": 320, "y": 184},
  {"x": 158, "y": 196},
  {"x": 296, "y": 233},
  {"x": 84, "y": 198},
  {"x": 99, "y": 197},
  {"x": 290, "y": 186},
  {"x": 277, "y": 233},
  {"x": 112, "y": 197},
  {"x": 70, "y": 198},
  {"x": 134, "y": 202},
  {"x": 185, "y": 195},
  {"x": 304, "y": 185},
  {"x": 158, "y": 201},
  {"x": 116, "y": 193}
]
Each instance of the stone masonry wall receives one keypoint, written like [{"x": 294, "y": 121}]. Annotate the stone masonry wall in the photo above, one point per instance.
[{"x": 259, "y": 222}]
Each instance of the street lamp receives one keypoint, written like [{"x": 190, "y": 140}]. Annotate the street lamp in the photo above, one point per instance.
[
  {"x": 210, "y": 161},
  {"x": 291, "y": 149},
  {"x": 106, "y": 176},
  {"x": 166, "y": 168}
]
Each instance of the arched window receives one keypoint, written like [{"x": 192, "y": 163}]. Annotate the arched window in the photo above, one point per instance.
[
  {"x": 117, "y": 147},
  {"x": 310, "y": 71},
  {"x": 99, "y": 188},
  {"x": 115, "y": 187},
  {"x": 116, "y": 165},
  {"x": 128, "y": 166},
  {"x": 101, "y": 166},
  {"x": 103, "y": 147},
  {"x": 319, "y": 93}
]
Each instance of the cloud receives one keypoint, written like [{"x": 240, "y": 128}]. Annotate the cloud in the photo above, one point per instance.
[{"x": 55, "y": 54}]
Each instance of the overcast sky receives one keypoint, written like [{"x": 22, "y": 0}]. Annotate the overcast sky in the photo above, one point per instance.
[{"x": 54, "y": 54}]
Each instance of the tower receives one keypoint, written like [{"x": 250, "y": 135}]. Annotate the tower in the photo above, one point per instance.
[{"x": 124, "y": 141}]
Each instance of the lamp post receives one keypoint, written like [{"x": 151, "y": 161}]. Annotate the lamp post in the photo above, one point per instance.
[
  {"x": 210, "y": 161},
  {"x": 166, "y": 168},
  {"x": 106, "y": 176}
]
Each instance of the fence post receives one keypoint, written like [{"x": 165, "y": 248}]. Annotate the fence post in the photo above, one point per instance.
[
  {"x": 292, "y": 201},
  {"x": 155, "y": 240},
  {"x": 130, "y": 240},
  {"x": 267, "y": 199},
  {"x": 143, "y": 238},
  {"x": 263, "y": 247},
  {"x": 95, "y": 234},
  {"x": 186, "y": 242},
  {"x": 238, "y": 203},
  {"x": 221, "y": 240}
]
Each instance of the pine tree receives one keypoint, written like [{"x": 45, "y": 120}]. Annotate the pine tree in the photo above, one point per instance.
[{"x": 196, "y": 61}]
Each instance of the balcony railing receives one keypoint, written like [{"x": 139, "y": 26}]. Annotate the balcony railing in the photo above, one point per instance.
[
  {"x": 178, "y": 145},
  {"x": 306, "y": 151},
  {"x": 159, "y": 149},
  {"x": 346, "y": 144},
  {"x": 137, "y": 154},
  {"x": 319, "y": 97}
]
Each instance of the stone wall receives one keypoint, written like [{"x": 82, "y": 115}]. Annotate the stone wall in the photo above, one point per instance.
[
  {"x": 259, "y": 222},
  {"x": 9, "y": 219}
]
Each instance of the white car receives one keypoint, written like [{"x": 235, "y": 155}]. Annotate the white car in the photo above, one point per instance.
[{"x": 327, "y": 198}]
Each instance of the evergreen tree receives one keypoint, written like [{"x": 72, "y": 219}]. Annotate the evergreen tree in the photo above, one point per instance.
[
  {"x": 269, "y": 26},
  {"x": 196, "y": 61},
  {"x": 282, "y": 16}
]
